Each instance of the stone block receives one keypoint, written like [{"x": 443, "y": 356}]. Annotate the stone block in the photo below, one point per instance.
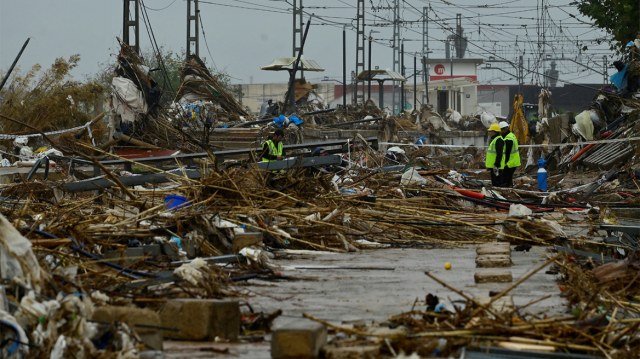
[
  {"x": 502, "y": 305},
  {"x": 357, "y": 352},
  {"x": 152, "y": 337},
  {"x": 493, "y": 261},
  {"x": 493, "y": 276},
  {"x": 494, "y": 248},
  {"x": 242, "y": 240},
  {"x": 201, "y": 319},
  {"x": 300, "y": 339}
]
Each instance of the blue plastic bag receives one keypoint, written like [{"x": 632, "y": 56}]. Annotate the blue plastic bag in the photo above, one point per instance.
[
  {"x": 296, "y": 120},
  {"x": 618, "y": 77}
]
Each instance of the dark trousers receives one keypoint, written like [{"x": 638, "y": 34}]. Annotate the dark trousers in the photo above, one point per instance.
[
  {"x": 496, "y": 180},
  {"x": 507, "y": 176}
]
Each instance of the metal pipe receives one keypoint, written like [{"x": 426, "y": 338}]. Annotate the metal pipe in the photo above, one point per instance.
[
  {"x": 369, "y": 73},
  {"x": 6, "y": 77},
  {"x": 380, "y": 94},
  {"x": 402, "y": 94},
  {"x": 340, "y": 124},
  {"x": 344, "y": 67}
]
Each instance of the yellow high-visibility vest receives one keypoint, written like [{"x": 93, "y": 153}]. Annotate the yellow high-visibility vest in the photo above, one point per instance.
[
  {"x": 514, "y": 156},
  {"x": 490, "y": 162},
  {"x": 274, "y": 150}
]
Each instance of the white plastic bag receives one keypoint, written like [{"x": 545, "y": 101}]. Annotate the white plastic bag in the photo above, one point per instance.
[{"x": 412, "y": 177}]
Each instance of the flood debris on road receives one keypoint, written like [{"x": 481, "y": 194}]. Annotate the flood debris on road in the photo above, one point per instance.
[{"x": 144, "y": 222}]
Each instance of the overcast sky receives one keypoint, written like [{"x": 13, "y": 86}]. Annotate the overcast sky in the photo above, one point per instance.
[{"x": 244, "y": 35}]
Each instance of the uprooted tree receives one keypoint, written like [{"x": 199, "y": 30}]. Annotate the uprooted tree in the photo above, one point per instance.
[
  {"x": 618, "y": 17},
  {"x": 49, "y": 99}
]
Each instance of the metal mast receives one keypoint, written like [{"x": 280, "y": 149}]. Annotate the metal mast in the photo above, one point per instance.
[
  {"x": 131, "y": 20},
  {"x": 360, "y": 40},
  {"x": 193, "y": 24},
  {"x": 425, "y": 47},
  {"x": 298, "y": 25},
  {"x": 396, "y": 50}
]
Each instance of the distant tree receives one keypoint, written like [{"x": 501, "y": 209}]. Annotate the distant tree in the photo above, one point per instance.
[
  {"x": 49, "y": 99},
  {"x": 173, "y": 63},
  {"x": 618, "y": 17},
  {"x": 169, "y": 83}
]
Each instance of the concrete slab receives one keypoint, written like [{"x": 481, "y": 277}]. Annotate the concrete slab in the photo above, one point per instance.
[
  {"x": 302, "y": 338},
  {"x": 493, "y": 261},
  {"x": 503, "y": 248},
  {"x": 493, "y": 276}
]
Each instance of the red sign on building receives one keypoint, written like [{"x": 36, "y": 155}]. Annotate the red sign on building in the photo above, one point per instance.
[{"x": 439, "y": 69}]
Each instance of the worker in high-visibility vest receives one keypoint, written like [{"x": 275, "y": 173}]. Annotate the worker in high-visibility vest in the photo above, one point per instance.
[
  {"x": 493, "y": 163},
  {"x": 272, "y": 148},
  {"x": 511, "y": 158}
]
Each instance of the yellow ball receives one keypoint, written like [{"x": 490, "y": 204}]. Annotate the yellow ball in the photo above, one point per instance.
[{"x": 447, "y": 266}]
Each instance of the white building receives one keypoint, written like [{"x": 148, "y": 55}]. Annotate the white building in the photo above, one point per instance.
[{"x": 453, "y": 83}]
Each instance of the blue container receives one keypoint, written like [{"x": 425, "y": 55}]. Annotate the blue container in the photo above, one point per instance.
[
  {"x": 542, "y": 175},
  {"x": 175, "y": 202}
]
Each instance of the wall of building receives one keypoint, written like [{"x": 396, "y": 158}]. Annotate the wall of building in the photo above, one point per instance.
[
  {"x": 253, "y": 95},
  {"x": 494, "y": 99}
]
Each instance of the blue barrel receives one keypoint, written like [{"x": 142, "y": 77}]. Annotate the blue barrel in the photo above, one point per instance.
[{"x": 542, "y": 175}]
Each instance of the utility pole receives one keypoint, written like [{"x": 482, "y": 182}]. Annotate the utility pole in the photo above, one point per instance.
[
  {"x": 520, "y": 74},
  {"x": 193, "y": 24},
  {"x": 369, "y": 72},
  {"x": 425, "y": 50},
  {"x": 298, "y": 24},
  {"x": 402, "y": 95},
  {"x": 360, "y": 38},
  {"x": 415, "y": 82},
  {"x": 426, "y": 79},
  {"x": 605, "y": 71},
  {"x": 129, "y": 23},
  {"x": 344, "y": 68},
  {"x": 396, "y": 50}
]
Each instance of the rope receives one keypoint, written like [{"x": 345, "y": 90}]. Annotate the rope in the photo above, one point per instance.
[{"x": 617, "y": 140}]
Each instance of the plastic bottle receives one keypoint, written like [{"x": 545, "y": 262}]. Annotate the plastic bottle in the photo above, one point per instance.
[{"x": 542, "y": 175}]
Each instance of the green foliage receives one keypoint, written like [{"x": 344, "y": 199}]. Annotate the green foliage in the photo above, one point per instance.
[
  {"x": 41, "y": 98},
  {"x": 618, "y": 17},
  {"x": 173, "y": 63}
]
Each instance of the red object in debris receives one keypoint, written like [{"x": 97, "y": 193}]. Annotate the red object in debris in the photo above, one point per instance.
[
  {"x": 626, "y": 194},
  {"x": 582, "y": 152},
  {"x": 605, "y": 135},
  {"x": 562, "y": 288},
  {"x": 131, "y": 153},
  {"x": 471, "y": 194}
]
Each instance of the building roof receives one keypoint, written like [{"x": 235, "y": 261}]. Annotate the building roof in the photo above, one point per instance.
[
  {"x": 380, "y": 75},
  {"x": 281, "y": 63}
]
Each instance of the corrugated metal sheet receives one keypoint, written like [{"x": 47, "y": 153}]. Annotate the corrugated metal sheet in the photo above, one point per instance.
[{"x": 282, "y": 63}]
